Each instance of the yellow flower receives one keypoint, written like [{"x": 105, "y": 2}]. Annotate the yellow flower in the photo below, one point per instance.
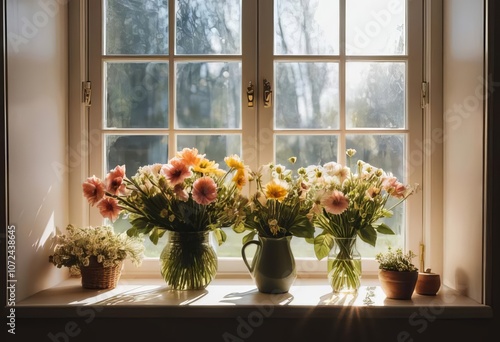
[
  {"x": 275, "y": 190},
  {"x": 234, "y": 162},
  {"x": 206, "y": 166},
  {"x": 240, "y": 178}
]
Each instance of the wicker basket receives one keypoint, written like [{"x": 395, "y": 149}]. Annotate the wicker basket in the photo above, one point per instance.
[{"x": 95, "y": 276}]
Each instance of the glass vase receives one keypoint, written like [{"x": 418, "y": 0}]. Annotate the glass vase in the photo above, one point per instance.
[
  {"x": 188, "y": 261},
  {"x": 344, "y": 266}
]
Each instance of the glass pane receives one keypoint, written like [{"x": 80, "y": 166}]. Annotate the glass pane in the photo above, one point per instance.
[
  {"x": 386, "y": 152},
  {"x": 306, "y": 27},
  {"x": 307, "y": 95},
  {"x": 376, "y": 27},
  {"x": 208, "y": 27},
  {"x": 208, "y": 95},
  {"x": 216, "y": 147},
  {"x": 375, "y": 95},
  {"x": 136, "y": 95},
  {"x": 136, "y": 27},
  {"x": 135, "y": 151},
  {"x": 309, "y": 149}
]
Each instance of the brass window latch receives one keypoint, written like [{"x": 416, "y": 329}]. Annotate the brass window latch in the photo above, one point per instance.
[
  {"x": 250, "y": 94},
  {"x": 268, "y": 94}
]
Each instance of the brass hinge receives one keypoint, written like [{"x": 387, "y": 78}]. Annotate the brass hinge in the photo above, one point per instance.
[
  {"x": 87, "y": 93},
  {"x": 424, "y": 93}
]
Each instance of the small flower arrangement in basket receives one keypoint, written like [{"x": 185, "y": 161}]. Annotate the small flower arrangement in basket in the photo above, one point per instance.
[{"x": 96, "y": 253}]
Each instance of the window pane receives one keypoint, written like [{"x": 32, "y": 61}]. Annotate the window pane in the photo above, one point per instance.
[
  {"x": 135, "y": 151},
  {"x": 136, "y": 95},
  {"x": 376, "y": 27},
  {"x": 216, "y": 147},
  {"x": 307, "y": 95},
  {"x": 309, "y": 149},
  {"x": 136, "y": 27},
  {"x": 375, "y": 95},
  {"x": 306, "y": 27},
  {"x": 208, "y": 27},
  {"x": 208, "y": 95},
  {"x": 386, "y": 152}
]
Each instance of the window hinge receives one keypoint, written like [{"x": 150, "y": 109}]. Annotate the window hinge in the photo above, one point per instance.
[
  {"x": 424, "y": 92},
  {"x": 87, "y": 93}
]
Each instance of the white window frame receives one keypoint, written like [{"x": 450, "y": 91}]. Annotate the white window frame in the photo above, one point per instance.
[{"x": 234, "y": 266}]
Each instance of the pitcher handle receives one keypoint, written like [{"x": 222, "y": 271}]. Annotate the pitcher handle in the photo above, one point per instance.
[{"x": 248, "y": 243}]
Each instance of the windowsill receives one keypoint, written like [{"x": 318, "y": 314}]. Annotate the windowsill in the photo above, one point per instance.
[{"x": 230, "y": 297}]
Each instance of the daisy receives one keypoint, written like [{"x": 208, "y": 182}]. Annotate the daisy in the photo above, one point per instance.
[
  {"x": 276, "y": 190},
  {"x": 234, "y": 162}
]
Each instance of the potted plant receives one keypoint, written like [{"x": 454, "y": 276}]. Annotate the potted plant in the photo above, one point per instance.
[
  {"x": 397, "y": 274},
  {"x": 277, "y": 211},
  {"x": 96, "y": 253}
]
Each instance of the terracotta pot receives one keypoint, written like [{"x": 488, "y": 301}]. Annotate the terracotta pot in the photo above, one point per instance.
[
  {"x": 398, "y": 285},
  {"x": 428, "y": 284}
]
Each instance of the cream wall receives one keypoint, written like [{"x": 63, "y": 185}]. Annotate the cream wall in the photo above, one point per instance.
[
  {"x": 37, "y": 79},
  {"x": 463, "y": 53}
]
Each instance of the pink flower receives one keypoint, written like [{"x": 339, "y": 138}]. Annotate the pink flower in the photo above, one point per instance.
[
  {"x": 399, "y": 190},
  {"x": 335, "y": 203},
  {"x": 204, "y": 190},
  {"x": 108, "y": 207},
  {"x": 176, "y": 171},
  {"x": 93, "y": 190},
  {"x": 114, "y": 180},
  {"x": 180, "y": 192}
]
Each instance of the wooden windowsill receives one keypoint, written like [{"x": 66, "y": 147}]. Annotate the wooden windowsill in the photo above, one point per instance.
[{"x": 229, "y": 297}]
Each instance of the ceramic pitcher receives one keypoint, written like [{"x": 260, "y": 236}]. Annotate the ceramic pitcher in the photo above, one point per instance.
[{"x": 273, "y": 265}]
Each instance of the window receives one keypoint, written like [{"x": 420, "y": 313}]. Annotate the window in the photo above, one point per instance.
[{"x": 343, "y": 74}]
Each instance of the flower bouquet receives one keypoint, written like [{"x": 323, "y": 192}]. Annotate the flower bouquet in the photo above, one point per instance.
[
  {"x": 83, "y": 250},
  {"x": 189, "y": 197},
  {"x": 277, "y": 211},
  {"x": 348, "y": 205}
]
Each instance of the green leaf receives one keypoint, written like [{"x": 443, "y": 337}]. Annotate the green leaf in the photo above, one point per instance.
[
  {"x": 248, "y": 237},
  {"x": 132, "y": 232},
  {"x": 323, "y": 243},
  {"x": 368, "y": 235},
  {"x": 302, "y": 227},
  {"x": 309, "y": 240},
  {"x": 240, "y": 228},
  {"x": 154, "y": 236},
  {"x": 384, "y": 229},
  {"x": 220, "y": 235}
]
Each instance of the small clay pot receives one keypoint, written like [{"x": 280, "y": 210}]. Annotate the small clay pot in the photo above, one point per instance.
[
  {"x": 428, "y": 283},
  {"x": 398, "y": 285}
]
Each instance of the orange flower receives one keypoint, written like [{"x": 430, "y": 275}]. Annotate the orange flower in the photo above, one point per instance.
[
  {"x": 240, "y": 178},
  {"x": 190, "y": 156}
]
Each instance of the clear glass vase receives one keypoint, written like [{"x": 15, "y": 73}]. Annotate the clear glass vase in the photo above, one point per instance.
[
  {"x": 188, "y": 261},
  {"x": 344, "y": 266}
]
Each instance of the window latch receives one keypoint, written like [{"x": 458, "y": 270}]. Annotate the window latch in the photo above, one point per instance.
[
  {"x": 87, "y": 93},
  {"x": 250, "y": 94}
]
